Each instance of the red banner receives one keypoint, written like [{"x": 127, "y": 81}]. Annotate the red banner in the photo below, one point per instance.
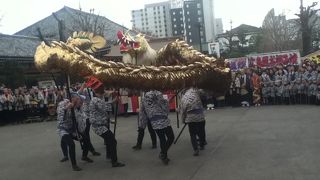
[{"x": 273, "y": 59}]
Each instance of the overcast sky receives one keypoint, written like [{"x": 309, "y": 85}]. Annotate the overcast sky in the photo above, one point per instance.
[{"x": 18, "y": 14}]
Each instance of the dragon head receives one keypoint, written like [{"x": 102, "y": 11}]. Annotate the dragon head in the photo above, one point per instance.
[{"x": 137, "y": 46}]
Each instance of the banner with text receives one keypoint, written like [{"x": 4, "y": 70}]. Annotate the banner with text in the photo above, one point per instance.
[{"x": 273, "y": 59}]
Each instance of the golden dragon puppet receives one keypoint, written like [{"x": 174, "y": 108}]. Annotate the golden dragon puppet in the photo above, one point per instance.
[{"x": 175, "y": 66}]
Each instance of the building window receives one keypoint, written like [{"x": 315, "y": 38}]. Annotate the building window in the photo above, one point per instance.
[
  {"x": 174, "y": 19},
  {"x": 175, "y": 32},
  {"x": 187, "y": 5},
  {"x": 181, "y": 19},
  {"x": 188, "y": 19},
  {"x": 189, "y": 27},
  {"x": 181, "y": 31},
  {"x": 189, "y": 33},
  {"x": 181, "y": 25},
  {"x": 188, "y": 12},
  {"x": 199, "y": 19},
  {"x": 175, "y": 25},
  {"x": 198, "y": 5},
  {"x": 190, "y": 40},
  {"x": 180, "y": 12},
  {"x": 199, "y": 12},
  {"x": 174, "y": 13}
]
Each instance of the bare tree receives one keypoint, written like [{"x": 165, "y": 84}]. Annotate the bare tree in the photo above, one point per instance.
[
  {"x": 307, "y": 20},
  {"x": 278, "y": 33},
  {"x": 90, "y": 22}
]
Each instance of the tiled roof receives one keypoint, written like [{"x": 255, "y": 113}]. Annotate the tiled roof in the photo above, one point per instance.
[
  {"x": 18, "y": 46},
  {"x": 24, "y": 42},
  {"x": 49, "y": 25}
]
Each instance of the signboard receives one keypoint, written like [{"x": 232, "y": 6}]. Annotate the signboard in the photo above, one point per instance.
[
  {"x": 46, "y": 84},
  {"x": 214, "y": 48},
  {"x": 236, "y": 64},
  {"x": 274, "y": 59}
]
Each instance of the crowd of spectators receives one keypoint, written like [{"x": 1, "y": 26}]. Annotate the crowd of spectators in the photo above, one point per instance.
[
  {"x": 292, "y": 84},
  {"x": 17, "y": 105}
]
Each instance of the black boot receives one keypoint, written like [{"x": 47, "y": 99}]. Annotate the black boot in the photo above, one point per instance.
[
  {"x": 64, "y": 159},
  {"x": 95, "y": 153},
  {"x": 87, "y": 159},
  {"x": 136, "y": 147},
  {"x": 165, "y": 160},
  {"x": 196, "y": 152},
  {"x": 117, "y": 164},
  {"x": 76, "y": 168}
]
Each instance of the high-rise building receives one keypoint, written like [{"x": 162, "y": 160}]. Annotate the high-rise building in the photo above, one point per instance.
[
  {"x": 176, "y": 4},
  {"x": 153, "y": 19},
  {"x": 209, "y": 19},
  {"x": 177, "y": 22},
  {"x": 198, "y": 21}
]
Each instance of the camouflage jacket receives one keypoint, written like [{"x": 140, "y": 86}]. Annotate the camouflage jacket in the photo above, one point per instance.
[
  {"x": 191, "y": 106},
  {"x": 98, "y": 115},
  {"x": 64, "y": 119},
  {"x": 154, "y": 108}
]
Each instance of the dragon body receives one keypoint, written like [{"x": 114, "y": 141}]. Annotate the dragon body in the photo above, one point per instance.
[{"x": 175, "y": 66}]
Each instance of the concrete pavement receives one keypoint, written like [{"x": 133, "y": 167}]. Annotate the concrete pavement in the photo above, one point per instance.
[{"x": 264, "y": 143}]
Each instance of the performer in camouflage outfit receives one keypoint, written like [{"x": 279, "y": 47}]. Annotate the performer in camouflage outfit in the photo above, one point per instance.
[
  {"x": 100, "y": 120},
  {"x": 85, "y": 91},
  {"x": 141, "y": 135},
  {"x": 193, "y": 114},
  {"x": 67, "y": 129},
  {"x": 155, "y": 109}
]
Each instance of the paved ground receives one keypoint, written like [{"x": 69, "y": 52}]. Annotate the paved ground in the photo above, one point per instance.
[{"x": 266, "y": 143}]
